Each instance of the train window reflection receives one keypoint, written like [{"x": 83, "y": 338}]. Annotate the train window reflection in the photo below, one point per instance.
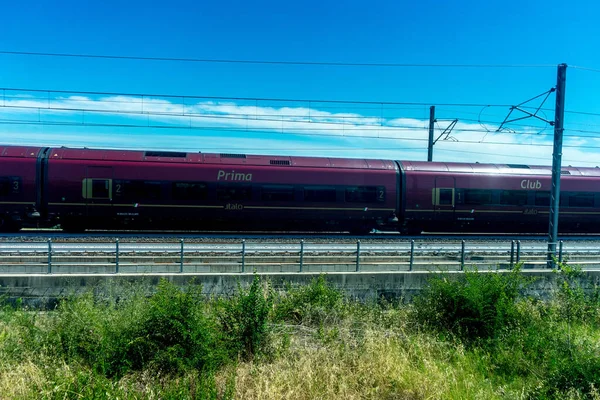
[
  {"x": 364, "y": 194},
  {"x": 477, "y": 196},
  {"x": 446, "y": 197},
  {"x": 542, "y": 199},
  {"x": 513, "y": 198},
  {"x": 581, "y": 200},
  {"x": 232, "y": 192},
  {"x": 277, "y": 193},
  {"x": 189, "y": 191},
  {"x": 319, "y": 194}
]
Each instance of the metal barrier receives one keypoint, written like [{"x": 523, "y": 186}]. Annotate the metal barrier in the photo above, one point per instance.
[{"x": 402, "y": 255}]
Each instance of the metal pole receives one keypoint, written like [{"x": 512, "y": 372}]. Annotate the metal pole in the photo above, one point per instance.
[
  {"x": 181, "y": 257},
  {"x": 412, "y": 254},
  {"x": 559, "y": 115},
  {"x": 518, "y": 251},
  {"x": 357, "y": 255},
  {"x": 430, "y": 145},
  {"x": 512, "y": 254},
  {"x": 301, "y": 254},
  {"x": 560, "y": 252},
  {"x": 116, "y": 256},
  {"x": 49, "y": 256},
  {"x": 462, "y": 255},
  {"x": 243, "y": 255}
]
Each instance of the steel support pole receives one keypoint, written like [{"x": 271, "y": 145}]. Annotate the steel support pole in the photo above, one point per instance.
[
  {"x": 49, "y": 256},
  {"x": 559, "y": 114},
  {"x": 462, "y": 255},
  {"x": 357, "y": 255},
  {"x": 301, "y": 254},
  {"x": 512, "y": 254},
  {"x": 431, "y": 122},
  {"x": 243, "y": 255},
  {"x": 181, "y": 256},
  {"x": 518, "y": 251},
  {"x": 560, "y": 251},
  {"x": 116, "y": 256},
  {"x": 412, "y": 255}
]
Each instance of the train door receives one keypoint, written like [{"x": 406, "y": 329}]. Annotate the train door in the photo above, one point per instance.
[
  {"x": 444, "y": 199},
  {"x": 97, "y": 192}
]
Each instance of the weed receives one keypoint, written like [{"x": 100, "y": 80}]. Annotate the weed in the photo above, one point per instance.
[
  {"x": 310, "y": 304},
  {"x": 245, "y": 319},
  {"x": 471, "y": 306}
]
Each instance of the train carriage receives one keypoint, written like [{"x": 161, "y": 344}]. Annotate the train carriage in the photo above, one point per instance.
[
  {"x": 19, "y": 199},
  {"x": 169, "y": 190},
  {"x": 451, "y": 197}
]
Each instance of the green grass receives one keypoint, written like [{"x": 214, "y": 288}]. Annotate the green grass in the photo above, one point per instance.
[{"x": 465, "y": 337}]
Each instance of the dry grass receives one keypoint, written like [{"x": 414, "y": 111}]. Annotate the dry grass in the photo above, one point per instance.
[{"x": 380, "y": 367}]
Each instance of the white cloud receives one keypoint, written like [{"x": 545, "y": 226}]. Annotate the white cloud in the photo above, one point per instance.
[{"x": 243, "y": 127}]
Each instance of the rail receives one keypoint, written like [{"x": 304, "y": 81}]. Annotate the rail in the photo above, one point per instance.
[{"x": 117, "y": 257}]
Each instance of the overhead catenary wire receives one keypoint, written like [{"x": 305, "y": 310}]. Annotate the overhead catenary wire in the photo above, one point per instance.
[
  {"x": 348, "y": 122},
  {"x": 297, "y": 132},
  {"x": 237, "y": 98},
  {"x": 345, "y": 127},
  {"x": 584, "y": 68},
  {"x": 273, "y": 62}
]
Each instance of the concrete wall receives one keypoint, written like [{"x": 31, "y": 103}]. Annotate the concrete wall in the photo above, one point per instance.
[{"x": 39, "y": 289}]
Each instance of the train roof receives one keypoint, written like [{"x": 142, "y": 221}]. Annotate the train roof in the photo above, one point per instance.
[
  {"x": 64, "y": 153},
  {"x": 19, "y": 151},
  {"x": 499, "y": 169}
]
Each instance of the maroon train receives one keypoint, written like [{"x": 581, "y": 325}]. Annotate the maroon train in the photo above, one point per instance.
[{"x": 119, "y": 189}]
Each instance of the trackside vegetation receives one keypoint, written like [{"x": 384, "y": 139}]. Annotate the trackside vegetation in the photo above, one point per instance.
[{"x": 478, "y": 335}]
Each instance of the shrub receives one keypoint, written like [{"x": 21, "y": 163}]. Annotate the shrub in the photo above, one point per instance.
[
  {"x": 309, "y": 304},
  {"x": 174, "y": 333},
  {"x": 575, "y": 302},
  {"x": 245, "y": 319},
  {"x": 471, "y": 306},
  {"x": 167, "y": 331}
]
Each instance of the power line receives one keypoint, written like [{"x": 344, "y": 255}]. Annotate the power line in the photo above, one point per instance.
[
  {"x": 381, "y": 129},
  {"x": 585, "y": 68},
  {"x": 248, "y": 117},
  {"x": 261, "y": 99},
  {"x": 348, "y": 123},
  {"x": 297, "y": 131},
  {"x": 275, "y": 62}
]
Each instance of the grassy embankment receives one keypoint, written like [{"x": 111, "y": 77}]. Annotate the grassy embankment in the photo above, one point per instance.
[{"x": 475, "y": 337}]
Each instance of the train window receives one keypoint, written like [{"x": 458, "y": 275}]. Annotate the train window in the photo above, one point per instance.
[
  {"x": 477, "y": 196},
  {"x": 446, "y": 197},
  {"x": 581, "y": 200},
  {"x": 365, "y": 194},
  {"x": 10, "y": 185},
  {"x": 277, "y": 193},
  {"x": 513, "y": 197},
  {"x": 232, "y": 192},
  {"x": 151, "y": 190},
  {"x": 542, "y": 199},
  {"x": 137, "y": 190},
  {"x": 190, "y": 191},
  {"x": 100, "y": 189},
  {"x": 4, "y": 186},
  {"x": 319, "y": 194}
]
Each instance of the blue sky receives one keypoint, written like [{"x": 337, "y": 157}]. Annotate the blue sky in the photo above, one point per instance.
[{"x": 423, "y": 32}]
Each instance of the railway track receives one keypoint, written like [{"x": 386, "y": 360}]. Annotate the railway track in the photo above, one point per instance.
[{"x": 103, "y": 235}]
